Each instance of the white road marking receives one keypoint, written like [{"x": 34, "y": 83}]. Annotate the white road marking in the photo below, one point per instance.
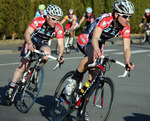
[{"x": 134, "y": 52}]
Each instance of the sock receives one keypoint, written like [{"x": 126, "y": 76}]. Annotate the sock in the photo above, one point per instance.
[
  {"x": 12, "y": 84},
  {"x": 78, "y": 76}
]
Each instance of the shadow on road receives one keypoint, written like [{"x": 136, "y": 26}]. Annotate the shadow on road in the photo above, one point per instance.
[
  {"x": 137, "y": 117},
  {"x": 46, "y": 103},
  {"x": 2, "y": 95}
]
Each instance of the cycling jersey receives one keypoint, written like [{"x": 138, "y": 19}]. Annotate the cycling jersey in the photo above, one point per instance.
[
  {"x": 70, "y": 21},
  {"x": 106, "y": 23},
  {"x": 43, "y": 33},
  {"x": 147, "y": 17},
  {"x": 38, "y": 14},
  {"x": 89, "y": 18},
  {"x": 74, "y": 18}
]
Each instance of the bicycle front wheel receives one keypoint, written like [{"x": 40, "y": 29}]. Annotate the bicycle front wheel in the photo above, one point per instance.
[
  {"x": 68, "y": 46},
  {"x": 31, "y": 89},
  {"x": 99, "y": 102},
  {"x": 60, "y": 110},
  {"x": 142, "y": 38}
]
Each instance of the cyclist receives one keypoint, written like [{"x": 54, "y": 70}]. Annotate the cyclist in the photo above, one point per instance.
[
  {"x": 104, "y": 27},
  {"x": 71, "y": 25},
  {"x": 41, "y": 12},
  {"x": 37, "y": 35},
  {"x": 147, "y": 16},
  {"x": 89, "y": 16}
]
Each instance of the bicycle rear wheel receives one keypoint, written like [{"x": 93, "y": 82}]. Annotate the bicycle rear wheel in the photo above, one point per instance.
[
  {"x": 31, "y": 89},
  {"x": 60, "y": 110},
  {"x": 98, "y": 104}
]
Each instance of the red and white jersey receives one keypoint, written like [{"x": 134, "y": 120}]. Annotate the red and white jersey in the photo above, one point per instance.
[
  {"x": 106, "y": 23},
  {"x": 43, "y": 32}
]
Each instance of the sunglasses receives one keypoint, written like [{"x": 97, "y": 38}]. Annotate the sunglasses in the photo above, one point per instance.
[
  {"x": 54, "y": 19},
  {"x": 125, "y": 16}
]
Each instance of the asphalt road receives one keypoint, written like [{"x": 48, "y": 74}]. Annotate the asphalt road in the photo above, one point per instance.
[{"x": 132, "y": 95}]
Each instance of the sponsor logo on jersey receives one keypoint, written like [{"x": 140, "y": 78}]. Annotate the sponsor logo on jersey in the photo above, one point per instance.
[
  {"x": 60, "y": 32},
  {"x": 104, "y": 23},
  {"x": 127, "y": 31},
  {"x": 36, "y": 23}
]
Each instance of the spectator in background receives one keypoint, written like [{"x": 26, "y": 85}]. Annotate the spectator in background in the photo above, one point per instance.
[{"x": 41, "y": 12}]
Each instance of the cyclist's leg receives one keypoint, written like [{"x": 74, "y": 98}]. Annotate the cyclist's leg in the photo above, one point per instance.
[
  {"x": 18, "y": 71},
  {"x": 47, "y": 50},
  {"x": 93, "y": 72}
]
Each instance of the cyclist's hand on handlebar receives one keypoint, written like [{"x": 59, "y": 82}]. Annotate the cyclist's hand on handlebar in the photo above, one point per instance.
[
  {"x": 96, "y": 53},
  {"x": 30, "y": 46},
  {"x": 60, "y": 59},
  {"x": 130, "y": 66}
]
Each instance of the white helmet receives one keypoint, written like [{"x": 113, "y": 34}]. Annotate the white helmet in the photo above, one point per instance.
[
  {"x": 123, "y": 6},
  {"x": 147, "y": 10},
  {"x": 54, "y": 10},
  {"x": 89, "y": 10}
]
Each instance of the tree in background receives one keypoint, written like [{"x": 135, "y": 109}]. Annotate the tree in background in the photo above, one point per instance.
[{"x": 16, "y": 15}]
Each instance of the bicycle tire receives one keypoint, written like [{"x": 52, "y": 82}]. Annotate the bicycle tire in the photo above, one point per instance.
[
  {"x": 68, "y": 48},
  {"x": 95, "y": 113},
  {"x": 31, "y": 90},
  {"x": 60, "y": 109},
  {"x": 142, "y": 38}
]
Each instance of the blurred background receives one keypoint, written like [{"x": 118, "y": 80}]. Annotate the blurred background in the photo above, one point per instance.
[{"x": 16, "y": 15}]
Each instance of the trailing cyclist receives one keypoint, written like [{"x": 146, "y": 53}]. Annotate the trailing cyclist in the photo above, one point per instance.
[
  {"x": 37, "y": 35},
  {"x": 41, "y": 12},
  {"x": 104, "y": 27},
  {"x": 71, "y": 25},
  {"x": 145, "y": 16},
  {"x": 89, "y": 17}
]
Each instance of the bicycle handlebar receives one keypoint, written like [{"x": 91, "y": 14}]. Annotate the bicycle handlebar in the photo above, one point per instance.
[
  {"x": 47, "y": 55},
  {"x": 111, "y": 60}
]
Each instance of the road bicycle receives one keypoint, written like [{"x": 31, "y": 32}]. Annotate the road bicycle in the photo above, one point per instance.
[
  {"x": 145, "y": 35},
  {"x": 67, "y": 45},
  {"x": 30, "y": 83},
  {"x": 94, "y": 104}
]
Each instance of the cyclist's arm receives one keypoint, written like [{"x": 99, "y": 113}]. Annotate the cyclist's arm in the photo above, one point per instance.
[
  {"x": 62, "y": 21},
  {"x": 72, "y": 26},
  {"x": 127, "y": 53},
  {"x": 82, "y": 19},
  {"x": 27, "y": 36},
  {"x": 92, "y": 20},
  {"x": 96, "y": 35},
  {"x": 61, "y": 47}
]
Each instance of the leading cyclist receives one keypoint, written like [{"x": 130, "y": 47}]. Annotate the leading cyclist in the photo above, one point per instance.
[
  {"x": 72, "y": 23},
  {"x": 145, "y": 16},
  {"x": 37, "y": 35},
  {"x": 106, "y": 26}
]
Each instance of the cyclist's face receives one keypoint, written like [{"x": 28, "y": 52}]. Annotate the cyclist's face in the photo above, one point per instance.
[
  {"x": 89, "y": 14},
  {"x": 52, "y": 21},
  {"x": 148, "y": 14},
  {"x": 70, "y": 16},
  {"x": 124, "y": 19},
  {"x": 42, "y": 12}
]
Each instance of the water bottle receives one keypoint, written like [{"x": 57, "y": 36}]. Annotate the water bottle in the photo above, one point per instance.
[{"x": 87, "y": 84}]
